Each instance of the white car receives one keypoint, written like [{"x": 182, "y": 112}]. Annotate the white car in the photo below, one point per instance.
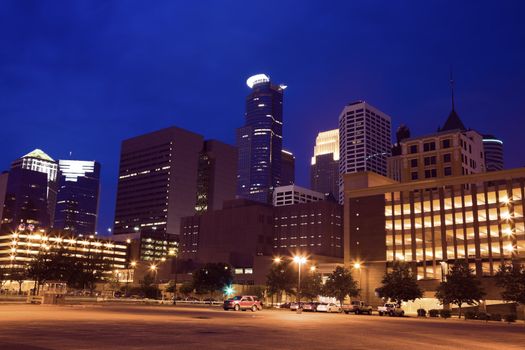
[{"x": 328, "y": 307}]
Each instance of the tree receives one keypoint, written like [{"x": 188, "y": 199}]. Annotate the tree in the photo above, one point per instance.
[
  {"x": 281, "y": 278},
  {"x": 212, "y": 277},
  {"x": 171, "y": 287},
  {"x": 186, "y": 288},
  {"x": 512, "y": 279},
  {"x": 148, "y": 288},
  {"x": 399, "y": 285},
  {"x": 311, "y": 286},
  {"x": 461, "y": 287},
  {"x": 340, "y": 284}
]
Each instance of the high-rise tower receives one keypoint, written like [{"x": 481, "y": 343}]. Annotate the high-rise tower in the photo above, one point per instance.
[
  {"x": 364, "y": 140},
  {"x": 324, "y": 169},
  {"x": 493, "y": 150},
  {"x": 260, "y": 140}
]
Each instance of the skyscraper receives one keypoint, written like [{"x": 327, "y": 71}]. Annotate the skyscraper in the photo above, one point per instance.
[
  {"x": 324, "y": 169},
  {"x": 260, "y": 140},
  {"x": 216, "y": 175},
  {"x": 78, "y": 196},
  {"x": 168, "y": 174},
  {"x": 38, "y": 160},
  {"x": 493, "y": 150},
  {"x": 365, "y": 140},
  {"x": 287, "y": 168},
  {"x": 25, "y": 199}
]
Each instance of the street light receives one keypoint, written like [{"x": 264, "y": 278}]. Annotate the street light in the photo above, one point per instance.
[
  {"x": 357, "y": 266},
  {"x": 313, "y": 268},
  {"x": 299, "y": 260},
  {"x": 153, "y": 268},
  {"x": 277, "y": 260}
]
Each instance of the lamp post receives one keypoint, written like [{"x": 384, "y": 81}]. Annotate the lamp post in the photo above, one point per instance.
[
  {"x": 357, "y": 266},
  {"x": 299, "y": 260},
  {"x": 153, "y": 268},
  {"x": 172, "y": 253}
]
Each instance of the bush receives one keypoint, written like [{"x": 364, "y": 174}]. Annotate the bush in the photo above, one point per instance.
[
  {"x": 483, "y": 316},
  {"x": 433, "y": 313},
  {"x": 470, "y": 315},
  {"x": 510, "y": 318},
  {"x": 445, "y": 313},
  {"x": 422, "y": 312},
  {"x": 495, "y": 317}
]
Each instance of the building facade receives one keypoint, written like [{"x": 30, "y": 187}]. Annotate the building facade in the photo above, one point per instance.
[
  {"x": 25, "y": 200},
  {"x": 324, "y": 168},
  {"x": 313, "y": 228},
  {"x": 430, "y": 224},
  {"x": 493, "y": 150},
  {"x": 216, "y": 175},
  {"x": 260, "y": 140},
  {"x": 78, "y": 196},
  {"x": 364, "y": 140},
  {"x": 293, "y": 194},
  {"x": 287, "y": 168},
  {"x": 37, "y": 160}
]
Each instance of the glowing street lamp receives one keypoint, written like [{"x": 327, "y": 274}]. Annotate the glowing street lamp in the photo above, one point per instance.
[
  {"x": 313, "y": 268},
  {"x": 357, "y": 265},
  {"x": 277, "y": 260},
  {"x": 153, "y": 268},
  {"x": 299, "y": 260},
  {"x": 228, "y": 290}
]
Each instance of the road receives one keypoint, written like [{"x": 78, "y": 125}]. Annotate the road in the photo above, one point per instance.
[{"x": 36, "y": 327}]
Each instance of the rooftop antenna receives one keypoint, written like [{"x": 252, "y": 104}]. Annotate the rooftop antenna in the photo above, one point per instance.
[{"x": 452, "y": 87}]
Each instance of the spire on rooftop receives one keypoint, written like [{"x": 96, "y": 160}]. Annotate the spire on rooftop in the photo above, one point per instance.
[{"x": 38, "y": 153}]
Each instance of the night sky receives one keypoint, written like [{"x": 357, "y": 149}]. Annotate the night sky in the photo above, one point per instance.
[{"x": 81, "y": 76}]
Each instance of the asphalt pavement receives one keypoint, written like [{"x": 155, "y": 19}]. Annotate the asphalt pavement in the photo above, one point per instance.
[{"x": 37, "y": 327}]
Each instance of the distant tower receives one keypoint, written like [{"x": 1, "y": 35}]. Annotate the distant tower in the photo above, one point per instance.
[
  {"x": 324, "y": 168},
  {"x": 78, "y": 196},
  {"x": 365, "y": 140},
  {"x": 287, "y": 168},
  {"x": 260, "y": 140},
  {"x": 493, "y": 151},
  {"x": 38, "y": 160}
]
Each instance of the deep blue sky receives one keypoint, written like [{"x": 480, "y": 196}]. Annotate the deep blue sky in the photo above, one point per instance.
[{"x": 82, "y": 76}]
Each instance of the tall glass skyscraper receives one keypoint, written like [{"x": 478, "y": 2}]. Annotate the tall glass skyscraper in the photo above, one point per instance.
[
  {"x": 260, "y": 140},
  {"x": 78, "y": 196}
]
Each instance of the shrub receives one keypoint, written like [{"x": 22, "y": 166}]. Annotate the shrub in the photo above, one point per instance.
[
  {"x": 433, "y": 313},
  {"x": 470, "y": 315},
  {"x": 483, "y": 316},
  {"x": 445, "y": 313},
  {"x": 495, "y": 317},
  {"x": 422, "y": 312},
  {"x": 510, "y": 318}
]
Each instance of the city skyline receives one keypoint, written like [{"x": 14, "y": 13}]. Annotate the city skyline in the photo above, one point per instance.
[{"x": 144, "y": 104}]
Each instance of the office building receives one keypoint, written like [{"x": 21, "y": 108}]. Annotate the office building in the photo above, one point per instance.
[
  {"x": 78, "y": 196},
  {"x": 493, "y": 150},
  {"x": 149, "y": 246},
  {"x": 3, "y": 188},
  {"x": 324, "y": 169},
  {"x": 430, "y": 224},
  {"x": 260, "y": 140},
  {"x": 25, "y": 199},
  {"x": 312, "y": 228},
  {"x": 216, "y": 175},
  {"x": 38, "y": 160},
  {"x": 287, "y": 168},
  {"x": 18, "y": 248},
  {"x": 169, "y": 174},
  {"x": 293, "y": 194},
  {"x": 364, "y": 140},
  {"x": 452, "y": 151}
]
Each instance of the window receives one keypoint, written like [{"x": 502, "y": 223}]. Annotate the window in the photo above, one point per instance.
[
  {"x": 429, "y": 146},
  {"x": 446, "y": 143},
  {"x": 414, "y": 175},
  {"x": 447, "y": 171},
  {"x": 447, "y": 158},
  {"x": 413, "y": 163},
  {"x": 430, "y": 173},
  {"x": 413, "y": 149},
  {"x": 430, "y": 160}
]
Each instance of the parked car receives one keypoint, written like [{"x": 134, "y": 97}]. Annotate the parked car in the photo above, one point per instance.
[
  {"x": 285, "y": 306},
  {"x": 243, "y": 302},
  {"x": 295, "y": 306},
  {"x": 328, "y": 307},
  {"x": 312, "y": 306},
  {"x": 192, "y": 300},
  {"x": 390, "y": 309},
  {"x": 357, "y": 307}
]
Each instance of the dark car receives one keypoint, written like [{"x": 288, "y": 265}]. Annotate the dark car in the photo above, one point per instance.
[{"x": 243, "y": 302}]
